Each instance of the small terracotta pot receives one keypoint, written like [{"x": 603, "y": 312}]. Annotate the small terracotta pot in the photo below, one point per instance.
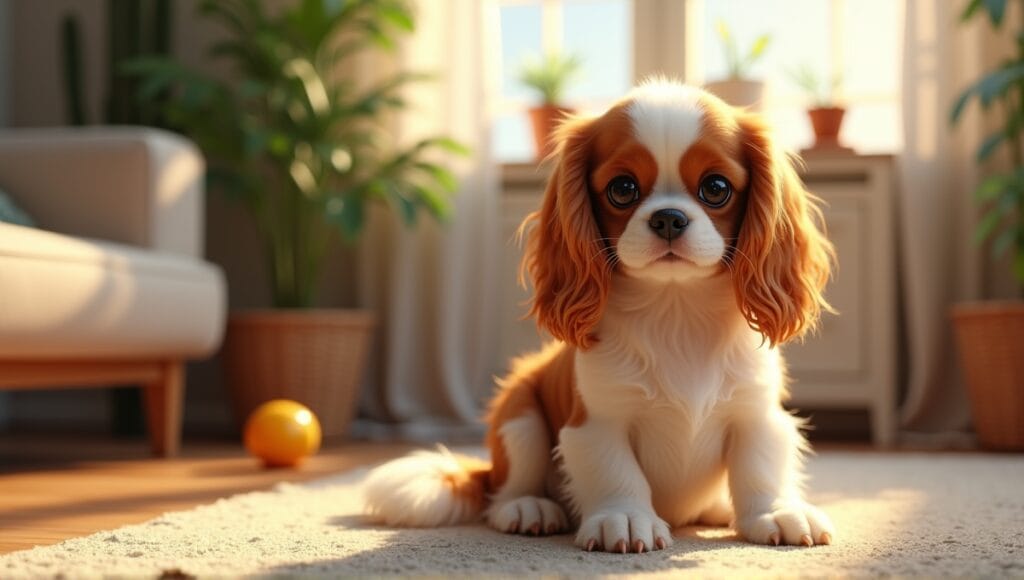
[
  {"x": 990, "y": 339},
  {"x": 545, "y": 119},
  {"x": 826, "y": 121},
  {"x": 315, "y": 357},
  {"x": 739, "y": 92}
]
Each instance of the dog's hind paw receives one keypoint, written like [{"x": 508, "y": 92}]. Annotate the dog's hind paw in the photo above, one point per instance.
[{"x": 528, "y": 515}]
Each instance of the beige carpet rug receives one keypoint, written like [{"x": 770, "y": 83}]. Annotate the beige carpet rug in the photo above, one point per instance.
[{"x": 898, "y": 514}]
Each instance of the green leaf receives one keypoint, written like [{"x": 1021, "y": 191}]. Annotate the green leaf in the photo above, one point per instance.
[
  {"x": 398, "y": 16},
  {"x": 988, "y": 225},
  {"x": 989, "y": 88},
  {"x": 441, "y": 175},
  {"x": 348, "y": 214},
  {"x": 550, "y": 75},
  {"x": 759, "y": 46},
  {"x": 446, "y": 144},
  {"x": 1003, "y": 242},
  {"x": 996, "y": 84},
  {"x": 250, "y": 89},
  {"x": 1018, "y": 265},
  {"x": 378, "y": 35},
  {"x": 452, "y": 146},
  {"x": 989, "y": 145},
  {"x": 194, "y": 95},
  {"x": 255, "y": 142},
  {"x": 405, "y": 206},
  {"x": 969, "y": 11},
  {"x": 233, "y": 185},
  {"x": 723, "y": 31},
  {"x": 991, "y": 188},
  {"x": 960, "y": 105},
  {"x": 436, "y": 202},
  {"x": 996, "y": 10},
  {"x": 381, "y": 95}
]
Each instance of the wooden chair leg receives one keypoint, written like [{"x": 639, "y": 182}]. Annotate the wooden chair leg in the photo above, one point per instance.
[{"x": 164, "y": 398}]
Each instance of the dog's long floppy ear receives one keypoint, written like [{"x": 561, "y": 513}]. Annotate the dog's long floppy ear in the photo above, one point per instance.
[
  {"x": 783, "y": 260},
  {"x": 565, "y": 257}
]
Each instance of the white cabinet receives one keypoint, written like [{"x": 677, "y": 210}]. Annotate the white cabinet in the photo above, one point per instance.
[{"x": 851, "y": 361}]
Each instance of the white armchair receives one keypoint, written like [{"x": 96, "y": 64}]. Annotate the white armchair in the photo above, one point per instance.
[{"x": 111, "y": 289}]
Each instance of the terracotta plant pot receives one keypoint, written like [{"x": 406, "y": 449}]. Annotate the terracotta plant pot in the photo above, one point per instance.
[
  {"x": 826, "y": 122},
  {"x": 739, "y": 92},
  {"x": 545, "y": 119},
  {"x": 990, "y": 337},
  {"x": 315, "y": 357}
]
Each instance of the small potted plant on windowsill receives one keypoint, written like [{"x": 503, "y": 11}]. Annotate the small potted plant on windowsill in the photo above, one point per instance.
[
  {"x": 990, "y": 335},
  {"x": 825, "y": 112},
  {"x": 304, "y": 151},
  {"x": 738, "y": 89},
  {"x": 549, "y": 77}
]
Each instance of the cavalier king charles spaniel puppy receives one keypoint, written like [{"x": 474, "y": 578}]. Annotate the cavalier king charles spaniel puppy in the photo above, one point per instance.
[{"x": 675, "y": 250}]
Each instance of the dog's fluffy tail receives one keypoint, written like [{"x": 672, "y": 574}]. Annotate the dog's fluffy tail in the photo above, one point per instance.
[{"x": 427, "y": 489}]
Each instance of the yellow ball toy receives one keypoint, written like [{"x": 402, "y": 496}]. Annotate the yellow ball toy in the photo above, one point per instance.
[{"x": 282, "y": 433}]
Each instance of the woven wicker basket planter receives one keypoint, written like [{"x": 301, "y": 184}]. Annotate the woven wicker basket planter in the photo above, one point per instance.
[
  {"x": 990, "y": 337},
  {"x": 315, "y": 357}
]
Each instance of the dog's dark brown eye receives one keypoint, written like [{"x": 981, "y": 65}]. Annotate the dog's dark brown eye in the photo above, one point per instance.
[
  {"x": 623, "y": 191},
  {"x": 715, "y": 191}
]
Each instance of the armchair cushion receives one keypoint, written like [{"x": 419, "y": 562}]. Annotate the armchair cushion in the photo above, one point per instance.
[{"x": 66, "y": 298}]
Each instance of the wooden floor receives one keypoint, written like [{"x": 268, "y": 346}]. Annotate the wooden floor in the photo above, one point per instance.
[{"x": 55, "y": 488}]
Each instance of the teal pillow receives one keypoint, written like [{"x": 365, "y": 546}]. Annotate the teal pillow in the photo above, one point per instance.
[{"x": 11, "y": 213}]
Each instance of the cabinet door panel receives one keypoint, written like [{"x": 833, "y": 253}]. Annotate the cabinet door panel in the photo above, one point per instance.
[
  {"x": 838, "y": 345},
  {"x": 518, "y": 335}
]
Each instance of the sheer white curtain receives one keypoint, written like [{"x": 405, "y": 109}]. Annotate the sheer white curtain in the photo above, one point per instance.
[
  {"x": 940, "y": 264},
  {"x": 433, "y": 286}
]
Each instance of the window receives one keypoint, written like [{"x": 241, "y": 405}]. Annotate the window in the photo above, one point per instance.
[
  {"x": 621, "y": 41},
  {"x": 859, "y": 40},
  {"x": 599, "y": 32}
]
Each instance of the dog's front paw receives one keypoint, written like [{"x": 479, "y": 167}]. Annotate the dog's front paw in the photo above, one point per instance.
[
  {"x": 627, "y": 530},
  {"x": 529, "y": 515},
  {"x": 794, "y": 524}
]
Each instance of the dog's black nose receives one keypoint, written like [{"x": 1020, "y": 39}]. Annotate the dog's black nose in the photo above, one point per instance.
[{"x": 668, "y": 223}]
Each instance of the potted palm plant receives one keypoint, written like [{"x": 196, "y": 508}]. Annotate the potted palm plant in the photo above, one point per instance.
[
  {"x": 299, "y": 145},
  {"x": 990, "y": 335},
  {"x": 549, "y": 77},
  {"x": 737, "y": 88},
  {"x": 825, "y": 113}
]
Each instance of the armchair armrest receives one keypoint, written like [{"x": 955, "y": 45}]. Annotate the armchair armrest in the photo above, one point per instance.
[{"x": 133, "y": 185}]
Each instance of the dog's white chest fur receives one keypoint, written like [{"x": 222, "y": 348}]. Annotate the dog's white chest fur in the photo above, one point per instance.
[{"x": 670, "y": 364}]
